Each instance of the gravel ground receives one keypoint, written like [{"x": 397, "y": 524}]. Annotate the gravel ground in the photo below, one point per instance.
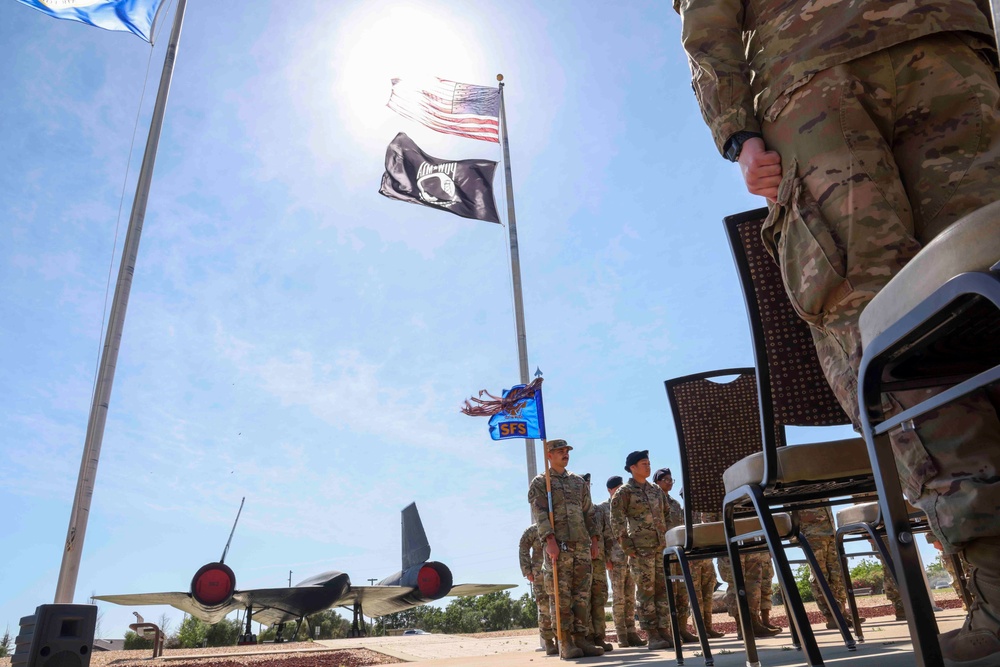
[{"x": 266, "y": 655}]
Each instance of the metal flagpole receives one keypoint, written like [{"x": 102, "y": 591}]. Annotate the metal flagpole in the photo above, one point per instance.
[
  {"x": 70, "y": 568},
  {"x": 515, "y": 271}
]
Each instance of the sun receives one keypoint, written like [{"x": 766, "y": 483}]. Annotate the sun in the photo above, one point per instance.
[{"x": 383, "y": 40}]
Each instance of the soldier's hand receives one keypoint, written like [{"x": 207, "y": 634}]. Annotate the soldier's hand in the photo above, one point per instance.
[
  {"x": 610, "y": 566},
  {"x": 595, "y": 549},
  {"x": 551, "y": 547},
  {"x": 531, "y": 578},
  {"x": 761, "y": 168}
]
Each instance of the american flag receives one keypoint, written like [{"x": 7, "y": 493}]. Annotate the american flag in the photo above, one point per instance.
[{"x": 449, "y": 107}]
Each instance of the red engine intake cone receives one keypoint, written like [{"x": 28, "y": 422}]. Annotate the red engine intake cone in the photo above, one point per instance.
[
  {"x": 428, "y": 581},
  {"x": 213, "y": 584}
]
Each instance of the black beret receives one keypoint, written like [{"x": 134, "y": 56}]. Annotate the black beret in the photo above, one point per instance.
[
  {"x": 586, "y": 476},
  {"x": 614, "y": 482},
  {"x": 661, "y": 473},
  {"x": 634, "y": 458}
]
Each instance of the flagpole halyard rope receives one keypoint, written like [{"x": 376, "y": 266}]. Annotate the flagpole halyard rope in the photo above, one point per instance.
[{"x": 555, "y": 561}]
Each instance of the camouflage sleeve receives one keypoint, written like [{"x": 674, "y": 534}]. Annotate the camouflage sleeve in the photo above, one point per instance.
[
  {"x": 524, "y": 551},
  {"x": 711, "y": 31},
  {"x": 593, "y": 529},
  {"x": 607, "y": 536},
  {"x": 619, "y": 523},
  {"x": 539, "y": 501}
]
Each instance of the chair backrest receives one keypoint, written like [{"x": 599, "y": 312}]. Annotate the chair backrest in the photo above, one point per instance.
[
  {"x": 717, "y": 423},
  {"x": 793, "y": 389}
]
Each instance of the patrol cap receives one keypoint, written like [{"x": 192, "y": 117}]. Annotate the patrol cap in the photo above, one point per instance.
[
  {"x": 586, "y": 476},
  {"x": 634, "y": 458},
  {"x": 661, "y": 473},
  {"x": 614, "y": 482},
  {"x": 551, "y": 445}
]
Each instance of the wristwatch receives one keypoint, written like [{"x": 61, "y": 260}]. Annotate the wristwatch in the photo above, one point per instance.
[{"x": 734, "y": 145}]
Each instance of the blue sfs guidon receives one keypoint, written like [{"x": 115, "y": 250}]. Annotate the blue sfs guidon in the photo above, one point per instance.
[{"x": 525, "y": 419}]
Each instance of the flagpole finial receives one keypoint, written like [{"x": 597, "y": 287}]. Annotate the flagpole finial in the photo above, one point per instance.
[{"x": 499, "y": 77}]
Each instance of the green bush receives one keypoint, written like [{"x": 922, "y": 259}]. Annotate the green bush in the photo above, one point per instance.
[
  {"x": 868, "y": 574},
  {"x": 134, "y": 642},
  {"x": 802, "y": 583}
]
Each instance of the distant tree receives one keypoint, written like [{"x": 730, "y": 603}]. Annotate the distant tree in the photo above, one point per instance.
[
  {"x": 497, "y": 611},
  {"x": 528, "y": 616},
  {"x": 868, "y": 574},
  {"x": 224, "y": 633},
  {"x": 164, "y": 624},
  {"x": 134, "y": 642},
  {"x": 462, "y": 616},
  {"x": 192, "y": 633},
  {"x": 5, "y": 643},
  {"x": 802, "y": 583}
]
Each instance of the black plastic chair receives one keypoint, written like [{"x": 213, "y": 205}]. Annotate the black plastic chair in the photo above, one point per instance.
[
  {"x": 936, "y": 324},
  {"x": 793, "y": 392},
  {"x": 717, "y": 425}
]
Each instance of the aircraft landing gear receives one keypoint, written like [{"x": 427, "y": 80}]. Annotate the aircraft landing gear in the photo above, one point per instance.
[
  {"x": 247, "y": 637},
  {"x": 358, "y": 628},
  {"x": 279, "y": 631}
]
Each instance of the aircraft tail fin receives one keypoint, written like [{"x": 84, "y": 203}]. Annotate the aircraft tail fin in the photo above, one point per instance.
[{"x": 416, "y": 550}]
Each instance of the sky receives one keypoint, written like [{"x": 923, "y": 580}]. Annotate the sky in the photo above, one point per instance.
[{"x": 293, "y": 337}]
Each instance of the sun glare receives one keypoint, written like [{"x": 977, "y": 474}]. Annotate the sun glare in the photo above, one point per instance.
[{"x": 382, "y": 40}]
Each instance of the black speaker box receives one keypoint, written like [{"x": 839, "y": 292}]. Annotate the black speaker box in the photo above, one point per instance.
[{"x": 58, "y": 635}]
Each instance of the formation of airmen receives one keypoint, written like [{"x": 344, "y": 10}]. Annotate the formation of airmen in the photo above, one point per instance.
[{"x": 624, "y": 537}]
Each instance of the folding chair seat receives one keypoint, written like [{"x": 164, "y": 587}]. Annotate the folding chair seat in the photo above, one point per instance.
[
  {"x": 717, "y": 421},
  {"x": 936, "y": 324},
  {"x": 863, "y": 521},
  {"x": 793, "y": 392}
]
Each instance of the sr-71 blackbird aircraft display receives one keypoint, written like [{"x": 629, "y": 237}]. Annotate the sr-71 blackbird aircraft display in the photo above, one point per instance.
[{"x": 213, "y": 592}]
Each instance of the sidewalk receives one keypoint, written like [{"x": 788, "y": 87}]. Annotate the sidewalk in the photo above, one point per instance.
[{"x": 887, "y": 645}]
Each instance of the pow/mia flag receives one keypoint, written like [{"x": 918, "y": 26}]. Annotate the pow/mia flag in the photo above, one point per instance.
[{"x": 462, "y": 187}]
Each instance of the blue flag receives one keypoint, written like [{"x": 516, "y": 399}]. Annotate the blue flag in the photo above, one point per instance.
[
  {"x": 524, "y": 419},
  {"x": 135, "y": 16}
]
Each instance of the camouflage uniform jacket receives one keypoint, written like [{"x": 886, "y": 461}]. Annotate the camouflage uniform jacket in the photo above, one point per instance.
[
  {"x": 675, "y": 513},
  {"x": 639, "y": 516},
  {"x": 530, "y": 552},
  {"x": 606, "y": 543},
  {"x": 816, "y": 522},
  {"x": 571, "y": 508},
  {"x": 744, "y": 54}
]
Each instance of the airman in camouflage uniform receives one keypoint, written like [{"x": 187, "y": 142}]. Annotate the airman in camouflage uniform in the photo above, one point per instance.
[
  {"x": 871, "y": 127},
  {"x": 622, "y": 584},
  {"x": 703, "y": 578},
  {"x": 531, "y": 556},
  {"x": 675, "y": 517},
  {"x": 571, "y": 542},
  {"x": 639, "y": 516},
  {"x": 817, "y": 527},
  {"x": 766, "y": 593},
  {"x": 599, "y": 585},
  {"x": 754, "y": 566}
]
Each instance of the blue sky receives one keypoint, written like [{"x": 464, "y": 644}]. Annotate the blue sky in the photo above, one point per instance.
[{"x": 294, "y": 337}]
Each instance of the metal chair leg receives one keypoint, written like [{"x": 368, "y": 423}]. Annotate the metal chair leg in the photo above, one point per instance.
[
  {"x": 849, "y": 587},
  {"x": 672, "y": 604},
  {"x": 742, "y": 604},
  {"x": 699, "y": 622},
  {"x": 831, "y": 601}
]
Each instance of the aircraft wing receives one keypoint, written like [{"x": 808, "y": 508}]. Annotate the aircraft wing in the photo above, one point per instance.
[
  {"x": 281, "y": 605},
  {"x": 382, "y": 600},
  {"x": 182, "y": 601}
]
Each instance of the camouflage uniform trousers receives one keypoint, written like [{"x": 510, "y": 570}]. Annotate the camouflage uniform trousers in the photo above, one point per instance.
[
  {"x": 825, "y": 549},
  {"x": 704, "y": 581},
  {"x": 753, "y": 577},
  {"x": 651, "y": 590},
  {"x": 892, "y": 593},
  {"x": 574, "y": 590},
  {"x": 681, "y": 600},
  {"x": 623, "y": 598},
  {"x": 543, "y": 603},
  {"x": 882, "y": 154},
  {"x": 598, "y": 599}
]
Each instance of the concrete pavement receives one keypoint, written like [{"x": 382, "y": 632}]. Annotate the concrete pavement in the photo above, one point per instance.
[{"x": 887, "y": 645}]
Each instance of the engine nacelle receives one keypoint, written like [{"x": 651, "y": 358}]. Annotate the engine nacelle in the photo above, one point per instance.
[
  {"x": 431, "y": 581},
  {"x": 213, "y": 585}
]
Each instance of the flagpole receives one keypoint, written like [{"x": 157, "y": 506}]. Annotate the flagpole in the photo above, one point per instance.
[
  {"x": 515, "y": 271},
  {"x": 70, "y": 568}
]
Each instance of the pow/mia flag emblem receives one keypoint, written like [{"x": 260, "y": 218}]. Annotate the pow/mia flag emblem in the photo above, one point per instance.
[{"x": 462, "y": 187}]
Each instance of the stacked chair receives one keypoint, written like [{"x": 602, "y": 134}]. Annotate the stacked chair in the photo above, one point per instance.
[
  {"x": 792, "y": 391},
  {"x": 936, "y": 324},
  {"x": 717, "y": 425}
]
